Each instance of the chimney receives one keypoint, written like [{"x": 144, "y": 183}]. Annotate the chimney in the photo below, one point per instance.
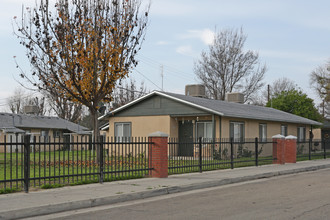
[
  {"x": 196, "y": 90},
  {"x": 235, "y": 97},
  {"x": 31, "y": 109}
]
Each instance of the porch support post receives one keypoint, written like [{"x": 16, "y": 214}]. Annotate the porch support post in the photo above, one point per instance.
[
  {"x": 213, "y": 135},
  {"x": 158, "y": 158},
  {"x": 214, "y": 127}
]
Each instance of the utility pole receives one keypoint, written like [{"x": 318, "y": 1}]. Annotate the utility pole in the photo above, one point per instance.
[
  {"x": 268, "y": 95},
  {"x": 162, "y": 75}
]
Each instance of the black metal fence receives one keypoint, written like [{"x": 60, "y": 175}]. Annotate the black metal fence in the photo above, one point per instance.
[
  {"x": 313, "y": 149},
  {"x": 46, "y": 163},
  {"x": 41, "y": 162},
  {"x": 210, "y": 154}
]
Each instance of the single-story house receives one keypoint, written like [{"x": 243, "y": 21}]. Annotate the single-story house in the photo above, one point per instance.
[
  {"x": 14, "y": 126},
  {"x": 192, "y": 116}
]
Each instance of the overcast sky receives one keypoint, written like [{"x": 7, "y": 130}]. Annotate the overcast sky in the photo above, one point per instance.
[{"x": 292, "y": 38}]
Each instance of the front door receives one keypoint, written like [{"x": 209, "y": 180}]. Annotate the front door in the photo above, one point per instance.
[
  {"x": 186, "y": 146},
  {"x": 326, "y": 138}
]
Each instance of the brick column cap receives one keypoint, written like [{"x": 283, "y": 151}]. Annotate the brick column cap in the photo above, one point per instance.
[
  {"x": 278, "y": 136},
  {"x": 158, "y": 134},
  {"x": 290, "y": 137}
]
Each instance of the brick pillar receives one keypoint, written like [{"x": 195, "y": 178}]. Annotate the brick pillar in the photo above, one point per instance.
[
  {"x": 278, "y": 149},
  {"x": 290, "y": 149},
  {"x": 158, "y": 159}
]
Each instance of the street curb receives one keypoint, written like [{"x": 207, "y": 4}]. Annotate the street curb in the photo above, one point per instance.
[{"x": 109, "y": 200}]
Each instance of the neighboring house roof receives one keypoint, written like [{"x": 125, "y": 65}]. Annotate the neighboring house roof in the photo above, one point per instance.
[
  {"x": 224, "y": 108},
  {"x": 14, "y": 123},
  {"x": 12, "y": 130},
  {"x": 105, "y": 127}
]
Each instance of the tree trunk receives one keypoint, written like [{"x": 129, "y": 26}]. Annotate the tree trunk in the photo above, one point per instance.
[{"x": 96, "y": 133}]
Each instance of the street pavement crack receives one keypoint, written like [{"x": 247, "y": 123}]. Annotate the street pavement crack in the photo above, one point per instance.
[{"x": 311, "y": 210}]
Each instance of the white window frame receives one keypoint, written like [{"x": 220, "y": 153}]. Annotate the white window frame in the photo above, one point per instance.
[
  {"x": 263, "y": 132},
  {"x": 206, "y": 134},
  {"x": 284, "y": 130},
  {"x": 301, "y": 134},
  {"x": 45, "y": 134},
  {"x": 121, "y": 137},
  {"x": 233, "y": 132}
]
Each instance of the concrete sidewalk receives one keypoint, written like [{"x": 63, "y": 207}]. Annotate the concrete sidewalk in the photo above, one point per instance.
[{"x": 20, "y": 205}]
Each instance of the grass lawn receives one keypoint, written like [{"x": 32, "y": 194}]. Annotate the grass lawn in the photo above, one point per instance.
[
  {"x": 68, "y": 167},
  {"x": 192, "y": 165}
]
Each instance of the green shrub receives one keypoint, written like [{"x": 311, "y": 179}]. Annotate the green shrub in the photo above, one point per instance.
[{"x": 12, "y": 190}]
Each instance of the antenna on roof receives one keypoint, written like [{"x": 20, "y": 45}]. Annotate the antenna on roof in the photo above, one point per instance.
[{"x": 162, "y": 75}]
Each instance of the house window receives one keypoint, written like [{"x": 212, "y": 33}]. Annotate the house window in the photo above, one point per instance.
[
  {"x": 301, "y": 134},
  {"x": 56, "y": 134},
  {"x": 122, "y": 131},
  {"x": 284, "y": 130},
  {"x": 263, "y": 132},
  {"x": 204, "y": 130},
  {"x": 45, "y": 135},
  {"x": 237, "y": 131}
]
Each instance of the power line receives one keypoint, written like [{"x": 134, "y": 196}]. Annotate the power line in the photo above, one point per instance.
[
  {"x": 147, "y": 79},
  {"x": 155, "y": 64},
  {"x": 130, "y": 90},
  {"x": 169, "y": 71}
]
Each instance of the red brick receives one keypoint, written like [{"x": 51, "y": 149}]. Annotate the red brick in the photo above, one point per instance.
[
  {"x": 290, "y": 149},
  {"x": 159, "y": 159},
  {"x": 279, "y": 149}
]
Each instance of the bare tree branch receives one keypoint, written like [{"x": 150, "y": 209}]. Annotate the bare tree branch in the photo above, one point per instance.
[
  {"x": 320, "y": 82},
  {"x": 226, "y": 67}
]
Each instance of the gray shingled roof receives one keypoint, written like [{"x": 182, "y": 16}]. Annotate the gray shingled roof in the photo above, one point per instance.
[
  {"x": 12, "y": 130},
  {"x": 23, "y": 121},
  {"x": 224, "y": 108},
  {"x": 236, "y": 110}
]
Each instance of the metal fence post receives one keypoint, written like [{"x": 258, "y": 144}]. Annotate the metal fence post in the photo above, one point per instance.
[
  {"x": 256, "y": 151},
  {"x": 231, "y": 153},
  {"x": 26, "y": 163},
  {"x": 101, "y": 160},
  {"x": 309, "y": 149},
  {"x": 324, "y": 149},
  {"x": 200, "y": 155}
]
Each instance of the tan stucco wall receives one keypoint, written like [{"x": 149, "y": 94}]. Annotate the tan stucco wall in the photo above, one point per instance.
[
  {"x": 317, "y": 133},
  {"x": 142, "y": 126},
  {"x": 252, "y": 128}
]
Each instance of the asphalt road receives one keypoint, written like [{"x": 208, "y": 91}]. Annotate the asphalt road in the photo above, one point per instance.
[{"x": 299, "y": 196}]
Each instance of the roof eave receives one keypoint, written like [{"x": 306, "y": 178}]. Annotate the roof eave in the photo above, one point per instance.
[
  {"x": 191, "y": 104},
  {"x": 160, "y": 94},
  {"x": 107, "y": 115}
]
